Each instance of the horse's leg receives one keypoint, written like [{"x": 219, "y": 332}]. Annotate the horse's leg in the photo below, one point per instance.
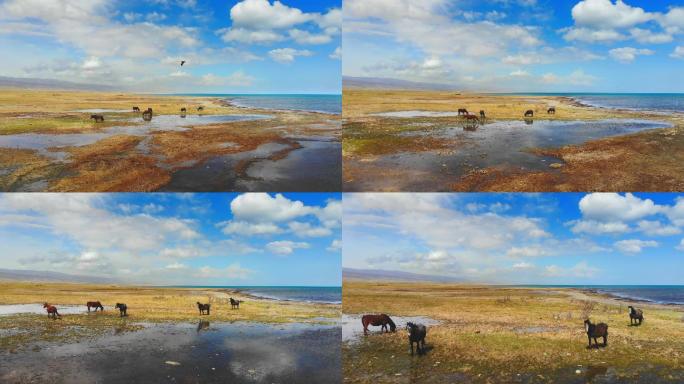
[
  {"x": 589, "y": 337},
  {"x": 605, "y": 340}
]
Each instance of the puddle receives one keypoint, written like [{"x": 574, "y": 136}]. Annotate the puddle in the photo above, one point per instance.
[
  {"x": 352, "y": 329},
  {"x": 102, "y": 110},
  {"x": 13, "y": 309},
  {"x": 46, "y": 144},
  {"x": 314, "y": 167},
  {"x": 203, "y": 352},
  {"x": 490, "y": 145},
  {"x": 410, "y": 114}
]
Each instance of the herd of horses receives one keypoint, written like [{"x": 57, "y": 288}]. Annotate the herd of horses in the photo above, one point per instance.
[
  {"x": 146, "y": 114},
  {"x": 417, "y": 332},
  {"x": 204, "y": 309},
  {"x": 472, "y": 117}
]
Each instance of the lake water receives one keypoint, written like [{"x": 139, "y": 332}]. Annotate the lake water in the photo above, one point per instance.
[
  {"x": 663, "y": 102},
  {"x": 331, "y": 104},
  {"x": 661, "y": 294},
  {"x": 331, "y": 295}
]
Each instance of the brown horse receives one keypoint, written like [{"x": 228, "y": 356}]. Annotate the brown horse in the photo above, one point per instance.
[
  {"x": 203, "y": 308},
  {"x": 529, "y": 113},
  {"x": 551, "y": 111},
  {"x": 200, "y": 108},
  {"x": 462, "y": 111},
  {"x": 595, "y": 331},
  {"x": 98, "y": 118},
  {"x": 94, "y": 304},
  {"x": 235, "y": 304},
  {"x": 147, "y": 115},
  {"x": 136, "y": 109},
  {"x": 378, "y": 320},
  {"x": 51, "y": 311}
]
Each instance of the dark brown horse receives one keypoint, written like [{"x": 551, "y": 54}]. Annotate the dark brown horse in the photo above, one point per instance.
[
  {"x": 595, "y": 331},
  {"x": 136, "y": 109},
  {"x": 529, "y": 113},
  {"x": 200, "y": 108},
  {"x": 147, "y": 115},
  {"x": 462, "y": 111},
  {"x": 235, "y": 304},
  {"x": 636, "y": 316},
  {"x": 94, "y": 304},
  {"x": 97, "y": 118},
  {"x": 416, "y": 335},
  {"x": 482, "y": 114},
  {"x": 122, "y": 309},
  {"x": 183, "y": 110},
  {"x": 551, "y": 111},
  {"x": 51, "y": 311},
  {"x": 203, "y": 308},
  {"x": 378, "y": 320}
]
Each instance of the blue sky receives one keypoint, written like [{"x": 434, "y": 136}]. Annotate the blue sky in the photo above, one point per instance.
[
  {"x": 189, "y": 239},
  {"x": 549, "y": 238},
  {"x": 249, "y": 46},
  {"x": 519, "y": 45}
]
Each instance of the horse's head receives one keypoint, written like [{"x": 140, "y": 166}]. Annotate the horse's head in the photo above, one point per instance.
[
  {"x": 631, "y": 309},
  {"x": 45, "y": 305},
  {"x": 410, "y": 326}
]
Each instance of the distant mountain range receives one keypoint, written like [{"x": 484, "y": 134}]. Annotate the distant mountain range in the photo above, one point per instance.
[
  {"x": 30, "y": 275},
  {"x": 31, "y": 83},
  {"x": 388, "y": 83},
  {"x": 378, "y": 274}
]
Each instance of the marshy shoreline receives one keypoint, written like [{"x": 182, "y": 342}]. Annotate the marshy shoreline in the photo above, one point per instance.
[{"x": 498, "y": 334}]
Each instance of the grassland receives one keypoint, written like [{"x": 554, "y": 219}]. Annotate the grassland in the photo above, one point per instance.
[
  {"x": 502, "y": 335},
  {"x": 128, "y": 162},
  {"x": 145, "y": 305},
  {"x": 645, "y": 161}
]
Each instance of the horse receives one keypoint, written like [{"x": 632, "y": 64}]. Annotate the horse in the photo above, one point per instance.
[
  {"x": 462, "y": 111},
  {"x": 98, "y": 118},
  {"x": 203, "y": 308},
  {"x": 147, "y": 115},
  {"x": 94, "y": 304},
  {"x": 136, "y": 109},
  {"x": 471, "y": 117},
  {"x": 635, "y": 315},
  {"x": 122, "y": 309},
  {"x": 183, "y": 110},
  {"x": 595, "y": 331},
  {"x": 376, "y": 320},
  {"x": 200, "y": 108},
  {"x": 551, "y": 111},
  {"x": 416, "y": 335},
  {"x": 51, "y": 311},
  {"x": 482, "y": 114},
  {"x": 529, "y": 113},
  {"x": 235, "y": 304}
]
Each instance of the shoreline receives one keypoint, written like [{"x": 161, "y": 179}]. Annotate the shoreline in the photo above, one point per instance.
[{"x": 231, "y": 102}]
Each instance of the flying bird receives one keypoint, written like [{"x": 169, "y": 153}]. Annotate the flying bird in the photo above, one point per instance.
[{"x": 182, "y": 62}]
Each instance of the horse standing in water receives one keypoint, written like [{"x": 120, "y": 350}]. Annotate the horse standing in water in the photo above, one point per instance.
[
  {"x": 94, "y": 304},
  {"x": 378, "y": 320},
  {"x": 51, "y": 311}
]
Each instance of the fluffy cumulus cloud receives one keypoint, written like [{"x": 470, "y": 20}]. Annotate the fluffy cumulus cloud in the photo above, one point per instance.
[
  {"x": 265, "y": 22},
  {"x": 628, "y": 54},
  {"x": 285, "y": 247},
  {"x": 634, "y": 245},
  {"x": 288, "y": 55}
]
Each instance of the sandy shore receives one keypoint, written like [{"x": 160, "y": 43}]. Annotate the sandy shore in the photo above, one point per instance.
[
  {"x": 49, "y": 143},
  {"x": 440, "y": 153},
  {"x": 489, "y": 334}
]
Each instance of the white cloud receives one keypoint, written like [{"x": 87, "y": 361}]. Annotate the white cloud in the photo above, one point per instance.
[
  {"x": 247, "y": 36},
  {"x": 249, "y": 228},
  {"x": 592, "y": 36},
  {"x": 628, "y": 54},
  {"x": 608, "y": 207},
  {"x": 233, "y": 271},
  {"x": 306, "y": 37},
  {"x": 285, "y": 247},
  {"x": 646, "y": 36},
  {"x": 307, "y": 230},
  {"x": 287, "y": 55},
  {"x": 528, "y": 251},
  {"x": 236, "y": 79},
  {"x": 260, "y": 207},
  {"x": 678, "y": 52},
  {"x": 634, "y": 245},
  {"x": 261, "y": 14},
  {"x": 180, "y": 253},
  {"x": 523, "y": 265},
  {"x": 336, "y": 54},
  {"x": 656, "y": 228},
  {"x": 176, "y": 266},
  {"x": 606, "y": 14},
  {"x": 599, "y": 227},
  {"x": 335, "y": 245}
]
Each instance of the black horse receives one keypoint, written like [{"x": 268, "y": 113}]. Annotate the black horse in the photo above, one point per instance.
[
  {"x": 636, "y": 316},
  {"x": 203, "y": 308},
  {"x": 462, "y": 111},
  {"x": 97, "y": 118},
  {"x": 122, "y": 309},
  {"x": 136, "y": 109},
  {"x": 482, "y": 114},
  {"x": 416, "y": 335},
  {"x": 235, "y": 304},
  {"x": 551, "y": 111},
  {"x": 529, "y": 113}
]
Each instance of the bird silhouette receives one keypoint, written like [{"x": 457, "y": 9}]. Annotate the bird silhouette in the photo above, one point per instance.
[{"x": 182, "y": 62}]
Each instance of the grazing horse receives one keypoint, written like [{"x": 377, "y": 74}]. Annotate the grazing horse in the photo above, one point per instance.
[
  {"x": 183, "y": 110},
  {"x": 482, "y": 114},
  {"x": 94, "y": 304},
  {"x": 203, "y": 308},
  {"x": 416, "y": 335},
  {"x": 147, "y": 115},
  {"x": 51, "y": 311},
  {"x": 122, "y": 309},
  {"x": 551, "y": 111},
  {"x": 635, "y": 315},
  {"x": 529, "y": 113},
  {"x": 98, "y": 118},
  {"x": 376, "y": 320},
  {"x": 200, "y": 108},
  {"x": 471, "y": 117},
  {"x": 462, "y": 111},
  {"x": 136, "y": 109},
  {"x": 596, "y": 330},
  {"x": 235, "y": 304}
]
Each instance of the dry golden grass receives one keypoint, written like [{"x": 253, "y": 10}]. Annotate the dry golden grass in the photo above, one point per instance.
[
  {"x": 498, "y": 332},
  {"x": 145, "y": 305}
]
